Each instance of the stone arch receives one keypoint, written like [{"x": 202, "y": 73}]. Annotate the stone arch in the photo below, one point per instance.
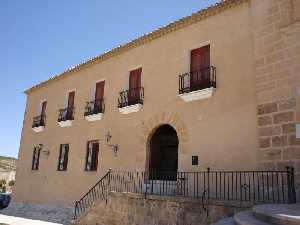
[{"x": 148, "y": 129}]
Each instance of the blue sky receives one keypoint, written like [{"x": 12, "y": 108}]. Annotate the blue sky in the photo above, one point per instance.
[{"x": 42, "y": 38}]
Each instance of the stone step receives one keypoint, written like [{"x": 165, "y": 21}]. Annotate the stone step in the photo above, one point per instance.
[
  {"x": 248, "y": 218},
  {"x": 279, "y": 214},
  {"x": 225, "y": 221}
]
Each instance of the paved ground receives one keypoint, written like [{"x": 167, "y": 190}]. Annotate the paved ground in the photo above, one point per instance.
[
  {"x": 41, "y": 213},
  {"x": 12, "y": 220}
]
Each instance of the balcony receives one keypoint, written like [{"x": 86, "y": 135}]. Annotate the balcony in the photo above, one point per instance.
[
  {"x": 131, "y": 100},
  {"x": 94, "y": 110},
  {"x": 198, "y": 84},
  {"x": 66, "y": 116},
  {"x": 38, "y": 123}
]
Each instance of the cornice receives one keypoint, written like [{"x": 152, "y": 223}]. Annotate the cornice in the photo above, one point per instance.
[{"x": 148, "y": 37}]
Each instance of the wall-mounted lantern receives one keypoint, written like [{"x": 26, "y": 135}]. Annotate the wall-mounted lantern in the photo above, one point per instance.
[
  {"x": 46, "y": 152},
  {"x": 115, "y": 148}
]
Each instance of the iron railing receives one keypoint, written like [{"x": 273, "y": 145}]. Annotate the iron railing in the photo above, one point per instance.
[
  {"x": 66, "y": 114},
  {"x": 197, "y": 80},
  {"x": 39, "y": 121},
  {"x": 131, "y": 97},
  {"x": 223, "y": 186},
  {"x": 94, "y": 107},
  {"x": 98, "y": 192}
]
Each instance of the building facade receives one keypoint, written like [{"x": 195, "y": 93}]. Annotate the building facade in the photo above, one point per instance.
[{"x": 217, "y": 89}]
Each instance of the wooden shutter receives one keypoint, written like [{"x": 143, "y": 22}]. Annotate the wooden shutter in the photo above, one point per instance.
[
  {"x": 59, "y": 157},
  {"x": 88, "y": 152},
  {"x": 99, "y": 93},
  {"x": 134, "y": 85},
  {"x": 66, "y": 156},
  {"x": 95, "y": 155},
  {"x": 200, "y": 62},
  {"x": 35, "y": 158},
  {"x": 71, "y": 99},
  {"x": 44, "y": 105}
]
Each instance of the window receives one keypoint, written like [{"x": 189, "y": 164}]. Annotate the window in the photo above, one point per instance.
[
  {"x": 195, "y": 160},
  {"x": 36, "y": 158},
  {"x": 63, "y": 157},
  {"x": 92, "y": 156}
]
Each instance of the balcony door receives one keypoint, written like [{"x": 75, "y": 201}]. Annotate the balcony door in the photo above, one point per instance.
[
  {"x": 134, "y": 86},
  {"x": 99, "y": 94},
  {"x": 70, "y": 109},
  {"x": 200, "y": 68}
]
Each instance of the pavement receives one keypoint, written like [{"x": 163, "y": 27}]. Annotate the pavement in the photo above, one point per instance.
[{"x": 13, "y": 220}]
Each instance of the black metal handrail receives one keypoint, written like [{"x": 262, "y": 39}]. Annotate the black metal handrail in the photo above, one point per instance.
[
  {"x": 98, "y": 192},
  {"x": 66, "y": 114},
  {"x": 131, "y": 97},
  {"x": 223, "y": 186},
  {"x": 197, "y": 80},
  {"x": 94, "y": 107},
  {"x": 39, "y": 121}
]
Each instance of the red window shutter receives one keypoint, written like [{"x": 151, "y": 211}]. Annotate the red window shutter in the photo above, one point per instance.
[
  {"x": 134, "y": 85},
  {"x": 44, "y": 105},
  {"x": 99, "y": 93},
  {"x": 71, "y": 99},
  {"x": 70, "y": 105},
  {"x": 200, "y": 62},
  {"x": 135, "y": 78}
]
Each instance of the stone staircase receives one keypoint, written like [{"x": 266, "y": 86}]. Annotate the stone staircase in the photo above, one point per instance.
[{"x": 266, "y": 215}]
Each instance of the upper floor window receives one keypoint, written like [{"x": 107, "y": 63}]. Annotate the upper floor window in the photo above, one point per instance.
[
  {"x": 36, "y": 158},
  {"x": 96, "y": 106},
  {"x": 63, "y": 157},
  {"x": 67, "y": 114},
  {"x": 200, "y": 68},
  {"x": 39, "y": 121},
  {"x": 92, "y": 156},
  {"x": 201, "y": 75},
  {"x": 135, "y": 94}
]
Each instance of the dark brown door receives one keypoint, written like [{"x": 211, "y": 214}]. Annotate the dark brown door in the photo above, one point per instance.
[
  {"x": 70, "y": 105},
  {"x": 134, "y": 85},
  {"x": 99, "y": 93},
  {"x": 200, "y": 71}
]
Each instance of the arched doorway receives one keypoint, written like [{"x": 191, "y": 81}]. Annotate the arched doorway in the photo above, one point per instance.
[{"x": 163, "y": 159}]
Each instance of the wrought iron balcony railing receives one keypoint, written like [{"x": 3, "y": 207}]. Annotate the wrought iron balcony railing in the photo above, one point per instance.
[
  {"x": 66, "y": 114},
  {"x": 197, "y": 80},
  {"x": 131, "y": 97},
  {"x": 94, "y": 107},
  {"x": 39, "y": 121}
]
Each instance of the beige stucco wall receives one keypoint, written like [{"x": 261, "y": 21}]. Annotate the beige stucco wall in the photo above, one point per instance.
[{"x": 221, "y": 130}]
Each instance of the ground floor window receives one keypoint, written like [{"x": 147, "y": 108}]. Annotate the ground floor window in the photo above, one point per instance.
[
  {"x": 92, "y": 156},
  {"x": 63, "y": 157},
  {"x": 36, "y": 158}
]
